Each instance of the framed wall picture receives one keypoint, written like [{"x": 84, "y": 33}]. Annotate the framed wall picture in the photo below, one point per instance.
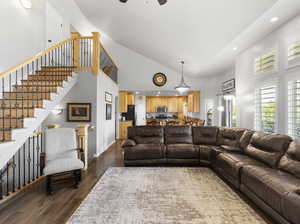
[
  {"x": 108, "y": 111},
  {"x": 108, "y": 97},
  {"x": 228, "y": 85},
  {"x": 79, "y": 112}
]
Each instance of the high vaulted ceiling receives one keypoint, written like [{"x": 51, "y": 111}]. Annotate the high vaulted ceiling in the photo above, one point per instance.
[{"x": 202, "y": 32}]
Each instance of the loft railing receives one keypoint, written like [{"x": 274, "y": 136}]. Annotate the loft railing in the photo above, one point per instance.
[
  {"x": 24, "y": 167},
  {"x": 107, "y": 64}
]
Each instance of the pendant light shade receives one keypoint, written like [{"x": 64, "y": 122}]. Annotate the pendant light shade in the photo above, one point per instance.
[{"x": 182, "y": 87}]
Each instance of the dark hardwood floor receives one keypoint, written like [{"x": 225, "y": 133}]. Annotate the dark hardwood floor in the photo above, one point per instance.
[{"x": 34, "y": 206}]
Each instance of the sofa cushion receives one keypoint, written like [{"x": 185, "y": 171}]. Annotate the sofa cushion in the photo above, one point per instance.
[
  {"x": 269, "y": 184},
  {"x": 205, "y": 151},
  {"x": 205, "y": 135},
  {"x": 182, "y": 151},
  {"x": 229, "y": 136},
  {"x": 291, "y": 206},
  {"x": 290, "y": 162},
  {"x": 268, "y": 148},
  {"x": 62, "y": 165},
  {"x": 146, "y": 134},
  {"x": 232, "y": 163},
  {"x": 178, "y": 135},
  {"x": 246, "y": 138},
  {"x": 144, "y": 151}
]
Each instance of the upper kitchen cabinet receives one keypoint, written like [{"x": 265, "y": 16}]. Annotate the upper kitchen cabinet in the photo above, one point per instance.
[
  {"x": 172, "y": 104},
  {"x": 130, "y": 99},
  {"x": 194, "y": 101},
  {"x": 125, "y": 99}
]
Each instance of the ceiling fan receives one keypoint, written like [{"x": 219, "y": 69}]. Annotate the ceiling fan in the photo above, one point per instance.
[{"x": 161, "y": 2}]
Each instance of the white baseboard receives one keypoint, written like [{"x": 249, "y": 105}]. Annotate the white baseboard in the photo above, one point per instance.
[{"x": 107, "y": 147}]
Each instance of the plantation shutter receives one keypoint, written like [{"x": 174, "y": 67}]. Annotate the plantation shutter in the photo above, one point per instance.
[
  {"x": 294, "y": 108},
  {"x": 265, "y": 63},
  {"x": 294, "y": 54},
  {"x": 265, "y": 109}
]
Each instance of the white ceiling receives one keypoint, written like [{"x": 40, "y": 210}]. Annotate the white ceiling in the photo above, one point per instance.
[{"x": 202, "y": 32}]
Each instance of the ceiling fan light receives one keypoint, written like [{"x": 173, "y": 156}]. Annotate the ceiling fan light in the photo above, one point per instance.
[
  {"x": 27, "y": 4},
  {"x": 162, "y": 2}
]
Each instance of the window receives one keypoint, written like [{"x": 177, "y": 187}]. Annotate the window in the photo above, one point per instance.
[
  {"x": 294, "y": 54},
  {"x": 266, "y": 63},
  {"x": 294, "y": 108},
  {"x": 265, "y": 109}
]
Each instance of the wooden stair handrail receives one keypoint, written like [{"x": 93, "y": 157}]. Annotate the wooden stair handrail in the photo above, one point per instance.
[{"x": 29, "y": 60}]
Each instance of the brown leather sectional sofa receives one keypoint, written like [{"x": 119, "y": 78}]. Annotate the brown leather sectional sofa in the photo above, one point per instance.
[{"x": 265, "y": 167}]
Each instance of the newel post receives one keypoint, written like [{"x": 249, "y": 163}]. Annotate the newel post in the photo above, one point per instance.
[
  {"x": 96, "y": 53},
  {"x": 82, "y": 132},
  {"x": 76, "y": 49}
]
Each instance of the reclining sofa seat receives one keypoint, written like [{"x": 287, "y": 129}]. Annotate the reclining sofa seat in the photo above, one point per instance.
[
  {"x": 205, "y": 139},
  {"x": 145, "y": 146},
  {"x": 179, "y": 145},
  {"x": 277, "y": 187}
]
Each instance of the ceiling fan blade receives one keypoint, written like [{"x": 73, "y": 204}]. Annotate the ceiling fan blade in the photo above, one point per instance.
[{"x": 162, "y": 2}]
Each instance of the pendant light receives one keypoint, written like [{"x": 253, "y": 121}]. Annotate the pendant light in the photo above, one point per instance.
[{"x": 182, "y": 87}]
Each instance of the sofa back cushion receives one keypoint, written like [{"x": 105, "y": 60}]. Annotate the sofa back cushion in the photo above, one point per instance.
[
  {"x": 205, "y": 135},
  {"x": 245, "y": 139},
  {"x": 178, "y": 135},
  {"x": 230, "y": 136},
  {"x": 268, "y": 148},
  {"x": 290, "y": 162},
  {"x": 146, "y": 134}
]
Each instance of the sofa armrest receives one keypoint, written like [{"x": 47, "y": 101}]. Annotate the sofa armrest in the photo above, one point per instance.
[
  {"x": 234, "y": 149},
  {"x": 128, "y": 143}
]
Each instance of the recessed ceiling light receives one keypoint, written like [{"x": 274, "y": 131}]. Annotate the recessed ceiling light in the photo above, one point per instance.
[
  {"x": 274, "y": 19},
  {"x": 137, "y": 92},
  {"x": 158, "y": 92},
  {"x": 235, "y": 48}
]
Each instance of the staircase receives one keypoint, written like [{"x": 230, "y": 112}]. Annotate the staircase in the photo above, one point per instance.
[
  {"x": 20, "y": 103},
  {"x": 28, "y": 93}
]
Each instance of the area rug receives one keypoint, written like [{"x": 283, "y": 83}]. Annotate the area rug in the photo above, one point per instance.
[{"x": 164, "y": 196}]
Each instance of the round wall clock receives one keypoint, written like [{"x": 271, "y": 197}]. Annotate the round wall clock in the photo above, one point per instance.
[{"x": 159, "y": 79}]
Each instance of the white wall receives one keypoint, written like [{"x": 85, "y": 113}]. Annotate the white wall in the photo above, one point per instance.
[
  {"x": 105, "y": 128},
  {"x": 84, "y": 91},
  {"x": 247, "y": 81},
  {"x": 23, "y": 32}
]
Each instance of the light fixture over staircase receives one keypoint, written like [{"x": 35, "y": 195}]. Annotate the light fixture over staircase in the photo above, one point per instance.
[{"x": 182, "y": 87}]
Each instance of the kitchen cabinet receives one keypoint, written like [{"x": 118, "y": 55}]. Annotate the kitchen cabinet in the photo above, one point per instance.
[
  {"x": 130, "y": 99},
  {"x": 172, "y": 104},
  {"x": 194, "y": 101},
  {"x": 123, "y": 129},
  {"x": 125, "y": 99}
]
